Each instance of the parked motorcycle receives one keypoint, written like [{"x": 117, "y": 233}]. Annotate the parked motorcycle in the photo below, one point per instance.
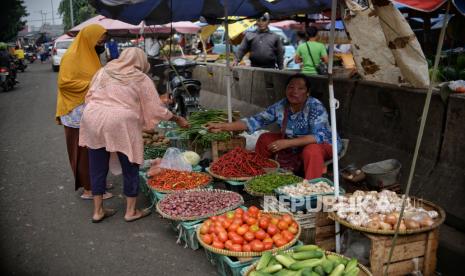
[
  {"x": 7, "y": 78},
  {"x": 184, "y": 91}
]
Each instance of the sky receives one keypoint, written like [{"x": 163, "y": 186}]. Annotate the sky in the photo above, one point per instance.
[{"x": 35, "y": 7}]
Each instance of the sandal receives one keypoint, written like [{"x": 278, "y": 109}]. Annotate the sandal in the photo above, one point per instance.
[
  {"x": 90, "y": 197},
  {"x": 109, "y": 186},
  {"x": 143, "y": 214},
  {"x": 106, "y": 214}
]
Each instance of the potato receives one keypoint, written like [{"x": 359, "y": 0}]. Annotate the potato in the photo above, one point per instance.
[{"x": 150, "y": 131}]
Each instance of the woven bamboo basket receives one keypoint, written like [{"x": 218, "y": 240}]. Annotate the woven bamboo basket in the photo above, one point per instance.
[
  {"x": 245, "y": 178},
  {"x": 364, "y": 271},
  {"x": 218, "y": 212},
  {"x": 172, "y": 191},
  {"x": 427, "y": 205},
  {"x": 249, "y": 254}
]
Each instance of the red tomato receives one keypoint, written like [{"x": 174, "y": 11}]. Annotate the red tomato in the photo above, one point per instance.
[
  {"x": 228, "y": 244},
  {"x": 237, "y": 240},
  {"x": 207, "y": 239},
  {"x": 239, "y": 211},
  {"x": 268, "y": 245},
  {"x": 236, "y": 248},
  {"x": 215, "y": 237},
  {"x": 274, "y": 221},
  {"x": 257, "y": 246},
  {"x": 251, "y": 221},
  {"x": 268, "y": 240},
  {"x": 233, "y": 227},
  {"x": 231, "y": 235},
  {"x": 241, "y": 230},
  {"x": 263, "y": 223},
  {"x": 277, "y": 237},
  {"x": 204, "y": 229},
  {"x": 287, "y": 218},
  {"x": 282, "y": 225},
  {"x": 249, "y": 236},
  {"x": 223, "y": 236},
  {"x": 230, "y": 215},
  {"x": 288, "y": 236},
  {"x": 272, "y": 229},
  {"x": 221, "y": 218},
  {"x": 226, "y": 223},
  {"x": 245, "y": 217},
  {"x": 219, "y": 229},
  {"x": 254, "y": 228},
  {"x": 280, "y": 242},
  {"x": 292, "y": 230},
  {"x": 211, "y": 229},
  {"x": 214, "y": 218},
  {"x": 237, "y": 221},
  {"x": 253, "y": 210},
  {"x": 218, "y": 244},
  {"x": 247, "y": 248},
  {"x": 260, "y": 234},
  {"x": 208, "y": 222},
  {"x": 295, "y": 225}
]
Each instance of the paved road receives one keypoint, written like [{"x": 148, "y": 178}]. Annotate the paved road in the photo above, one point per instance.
[{"x": 45, "y": 226}]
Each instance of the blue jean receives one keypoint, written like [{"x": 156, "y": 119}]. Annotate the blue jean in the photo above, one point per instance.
[{"x": 98, "y": 171}]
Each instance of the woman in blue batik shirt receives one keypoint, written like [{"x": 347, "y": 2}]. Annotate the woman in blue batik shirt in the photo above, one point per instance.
[{"x": 305, "y": 129}]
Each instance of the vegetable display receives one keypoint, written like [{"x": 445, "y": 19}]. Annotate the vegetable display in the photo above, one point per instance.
[
  {"x": 248, "y": 230},
  {"x": 152, "y": 152},
  {"x": 198, "y": 203},
  {"x": 171, "y": 180},
  {"x": 305, "y": 188},
  {"x": 266, "y": 184},
  {"x": 305, "y": 260},
  {"x": 380, "y": 211},
  {"x": 191, "y": 157},
  {"x": 153, "y": 138},
  {"x": 241, "y": 163},
  {"x": 197, "y": 132}
]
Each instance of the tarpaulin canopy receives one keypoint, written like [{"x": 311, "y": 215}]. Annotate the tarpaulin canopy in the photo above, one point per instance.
[
  {"x": 431, "y": 5},
  {"x": 164, "y": 11}
]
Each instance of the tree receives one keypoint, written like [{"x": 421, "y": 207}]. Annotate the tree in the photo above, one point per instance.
[
  {"x": 82, "y": 11},
  {"x": 11, "y": 13}
]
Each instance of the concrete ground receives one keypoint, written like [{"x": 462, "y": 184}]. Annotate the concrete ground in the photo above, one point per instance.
[{"x": 45, "y": 226}]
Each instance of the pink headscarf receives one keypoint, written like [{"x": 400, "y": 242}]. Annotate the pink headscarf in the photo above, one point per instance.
[{"x": 132, "y": 65}]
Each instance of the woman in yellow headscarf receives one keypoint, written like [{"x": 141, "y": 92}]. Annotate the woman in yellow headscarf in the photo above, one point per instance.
[{"x": 78, "y": 66}]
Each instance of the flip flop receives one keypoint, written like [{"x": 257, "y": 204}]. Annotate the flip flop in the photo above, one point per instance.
[
  {"x": 109, "y": 186},
  {"x": 106, "y": 214},
  {"x": 143, "y": 214},
  {"x": 90, "y": 197}
]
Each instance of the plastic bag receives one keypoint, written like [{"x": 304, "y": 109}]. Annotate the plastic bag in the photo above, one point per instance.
[
  {"x": 356, "y": 245},
  {"x": 174, "y": 160},
  {"x": 251, "y": 139}
]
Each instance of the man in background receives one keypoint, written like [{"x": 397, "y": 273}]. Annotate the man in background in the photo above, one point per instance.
[{"x": 265, "y": 48}]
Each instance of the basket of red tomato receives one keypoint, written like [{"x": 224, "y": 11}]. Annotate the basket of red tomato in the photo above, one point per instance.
[{"x": 248, "y": 233}]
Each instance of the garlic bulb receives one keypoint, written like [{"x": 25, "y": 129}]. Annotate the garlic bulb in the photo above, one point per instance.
[{"x": 433, "y": 214}]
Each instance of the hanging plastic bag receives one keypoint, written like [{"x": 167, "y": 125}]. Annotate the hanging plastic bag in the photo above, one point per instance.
[{"x": 174, "y": 160}]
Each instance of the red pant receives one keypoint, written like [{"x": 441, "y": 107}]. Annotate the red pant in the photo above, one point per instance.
[{"x": 313, "y": 155}]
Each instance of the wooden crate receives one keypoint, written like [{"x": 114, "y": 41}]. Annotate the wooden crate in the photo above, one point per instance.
[
  {"x": 221, "y": 147},
  {"x": 420, "y": 247}
]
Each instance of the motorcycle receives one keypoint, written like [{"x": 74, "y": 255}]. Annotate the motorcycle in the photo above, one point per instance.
[
  {"x": 7, "y": 79},
  {"x": 31, "y": 57},
  {"x": 184, "y": 91},
  {"x": 20, "y": 64}
]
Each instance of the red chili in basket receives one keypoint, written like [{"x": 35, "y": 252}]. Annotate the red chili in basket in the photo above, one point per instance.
[
  {"x": 178, "y": 180},
  {"x": 241, "y": 163}
]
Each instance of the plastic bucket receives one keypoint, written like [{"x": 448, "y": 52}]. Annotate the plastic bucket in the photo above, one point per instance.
[{"x": 383, "y": 173}]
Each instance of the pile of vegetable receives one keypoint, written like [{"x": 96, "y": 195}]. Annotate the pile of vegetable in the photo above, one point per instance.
[
  {"x": 191, "y": 157},
  {"x": 266, "y": 184},
  {"x": 248, "y": 231},
  {"x": 241, "y": 163},
  {"x": 305, "y": 260},
  {"x": 198, "y": 203},
  {"x": 197, "y": 132},
  {"x": 152, "y": 137},
  {"x": 172, "y": 180},
  {"x": 152, "y": 152},
  {"x": 305, "y": 188},
  {"x": 381, "y": 211}
]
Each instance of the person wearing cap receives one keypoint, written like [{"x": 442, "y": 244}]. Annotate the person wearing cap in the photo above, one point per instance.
[{"x": 265, "y": 47}]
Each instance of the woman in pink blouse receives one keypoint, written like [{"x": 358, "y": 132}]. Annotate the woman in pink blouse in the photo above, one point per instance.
[{"x": 122, "y": 102}]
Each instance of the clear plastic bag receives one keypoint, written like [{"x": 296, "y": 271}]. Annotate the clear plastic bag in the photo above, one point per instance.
[{"x": 174, "y": 160}]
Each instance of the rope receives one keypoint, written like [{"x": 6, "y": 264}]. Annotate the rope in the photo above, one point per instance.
[{"x": 420, "y": 135}]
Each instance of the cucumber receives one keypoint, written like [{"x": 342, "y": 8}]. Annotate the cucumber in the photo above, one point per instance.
[
  {"x": 319, "y": 269},
  {"x": 353, "y": 272},
  {"x": 307, "y": 263},
  {"x": 272, "y": 261},
  {"x": 284, "y": 272},
  {"x": 285, "y": 260},
  {"x": 327, "y": 266},
  {"x": 308, "y": 247},
  {"x": 351, "y": 264},
  {"x": 272, "y": 269},
  {"x": 305, "y": 255},
  {"x": 338, "y": 270},
  {"x": 264, "y": 260},
  {"x": 306, "y": 271},
  {"x": 258, "y": 273}
]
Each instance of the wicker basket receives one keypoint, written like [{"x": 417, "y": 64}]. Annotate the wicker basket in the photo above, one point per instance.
[
  {"x": 172, "y": 191},
  {"x": 218, "y": 212},
  {"x": 423, "y": 203},
  {"x": 364, "y": 271},
  {"x": 249, "y": 254},
  {"x": 241, "y": 178}
]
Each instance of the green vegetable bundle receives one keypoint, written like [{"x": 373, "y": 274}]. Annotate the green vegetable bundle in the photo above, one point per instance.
[
  {"x": 265, "y": 184},
  {"x": 305, "y": 260},
  {"x": 197, "y": 132},
  {"x": 152, "y": 152}
]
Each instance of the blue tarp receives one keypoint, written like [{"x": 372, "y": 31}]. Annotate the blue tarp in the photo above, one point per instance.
[{"x": 165, "y": 11}]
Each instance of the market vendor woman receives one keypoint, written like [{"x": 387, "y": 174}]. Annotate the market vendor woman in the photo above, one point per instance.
[{"x": 305, "y": 138}]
